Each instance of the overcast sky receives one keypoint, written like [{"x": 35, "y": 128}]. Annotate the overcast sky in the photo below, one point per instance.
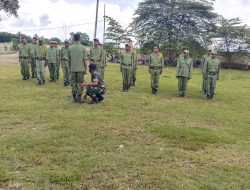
[{"x": 49, "y": 17}]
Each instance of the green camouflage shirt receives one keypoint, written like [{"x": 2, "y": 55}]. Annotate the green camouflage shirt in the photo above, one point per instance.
[
  {"x": 156, "y": 60},
  {"x": 212, "y": 66},
  {"x": 96, "y": 53},
  {"x": 64, "y": 53},
  {"x": 126, "y": 60},
  {"x": 24, "y": 50},
  {"x": 52, "y": 55},
  {"x": 184, "y": 67},
  {"x": 41, "y": 52},
  {"x": 96, "y": 77},
  {"x": 204, "y": 58},
  {"x": 32, "y": 49},
  {"x": 77, "y": 56}
]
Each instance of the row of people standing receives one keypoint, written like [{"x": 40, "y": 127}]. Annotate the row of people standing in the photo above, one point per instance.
[{"x": 210, "y": 70}]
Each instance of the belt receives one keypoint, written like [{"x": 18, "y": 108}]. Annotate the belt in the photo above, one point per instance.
[
  {"x": 40, "y": 58},
  {"x": 212, "y": 73},
  {"x": 155, "y": 67},
  {"x": 23, "y": 57}
]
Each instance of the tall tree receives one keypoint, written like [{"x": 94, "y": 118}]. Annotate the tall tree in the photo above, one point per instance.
[
  {"x": 116, "y": 32},
  {"x": 174, "y": 22},
  {"x": 231, "y": 36},
  {"x": 85, "y": 40},
  {"x": 9, "y": 6}
]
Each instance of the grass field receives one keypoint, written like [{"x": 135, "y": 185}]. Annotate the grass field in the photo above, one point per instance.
[{"x": 130, "y": 141}]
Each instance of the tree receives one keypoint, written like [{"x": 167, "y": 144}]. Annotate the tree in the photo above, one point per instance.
[
  {"x": 231, "y": 37},
  {"x": 55, "y": 39},
  {"x": 85, "y": 40},
  {"x": 9, "y": 6},
  {"x": 116, "y": 32},
  {"x": 174, "y": 23}
]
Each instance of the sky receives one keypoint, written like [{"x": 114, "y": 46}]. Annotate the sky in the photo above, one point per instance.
[{"x": 57, "y": 18}]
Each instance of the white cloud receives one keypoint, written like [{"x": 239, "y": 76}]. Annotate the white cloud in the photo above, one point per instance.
[
  {"x": 42, "y": 14},
  {"x": 234, "y": 8}
]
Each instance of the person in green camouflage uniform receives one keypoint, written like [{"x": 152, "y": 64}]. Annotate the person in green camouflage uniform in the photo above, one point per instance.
[
  {"x": 127, "y": 61},
  {"x": 24, "y": 58},
  {"x": 134, "y": 69},
  {"x": 33, "y": 59},
  {"x": 184, "y": 72},
  {"x": 96, "y": 88},
  {"x": 77, "y": 57},
  {"x": 65, "y": 63},
  {"x": 156, "y": 64},
  {"x": 40, "y": 55},
  {"x": 98, "y": 56},
  {"x": 58, "y": 57},
  {"x": 51, "y": 61},
  {"x": 211, "y": 71},
  {"x": 203, "y": 60}
]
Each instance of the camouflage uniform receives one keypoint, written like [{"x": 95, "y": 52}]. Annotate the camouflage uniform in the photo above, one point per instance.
[
  {"x": 204, "y": 58},
  {"x": 156, "y": 63},
  {"x": 24, "y": 58},
  {"x": 211, "y": 72},
  {"x": 98, "y": 57},
  {"x": 64, "y": 56},
  {"x": 77, "y": 56},
  {"x": 51, "y": 58},
  {"x": 96, "y": 92},
  {"x": 33, "y": 60},
  {"x": 134, "y": 68},
  {"x": 183, "y": 73},
  {"x": 127, "y": 60},
  {"x": 40, "y": 55}
]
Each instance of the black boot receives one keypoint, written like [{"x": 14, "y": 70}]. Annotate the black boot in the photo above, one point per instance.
[
  {"x": 94, "y": 100},
  {"x": 65, "y": 83},
  {"x": 79, "y": 99},
  {"x": 74, "y": 98},
  {"x": 33, "y": 75},
  {"x": 156, "y": 91},
  {"x": 123, "y": 88},
  {"x": 100, "y": 98},
  {"x": 39, "y": 82},
  {"x": 24, "y": 78}
]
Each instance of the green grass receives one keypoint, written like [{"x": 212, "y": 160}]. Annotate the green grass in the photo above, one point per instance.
[{"x": 131, "y": 141}]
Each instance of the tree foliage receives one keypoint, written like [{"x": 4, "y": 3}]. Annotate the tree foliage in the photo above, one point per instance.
[
  {"x": 85, "y": 40},
  {"x": 9, "y": 6},
  {"x": 116, "y": 32}
]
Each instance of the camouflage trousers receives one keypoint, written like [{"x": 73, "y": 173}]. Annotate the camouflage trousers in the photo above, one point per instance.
[
  {"x": 182, "y": 85},
  {"x": 95, "y": 91},
  {"x": 52, "y": 71},
  {"x": 76, "y": 79},
  {"x": 204, "y": 84},
  {"x": 126, "y": 76},
  {"x": 40, "y": 69},
  {"x": 33, "y": 66},
  {"x": 133, "y": 76},
  {"x": 66, "y": 70},
  {"x": 155, "y": 77},
  {"x": 211, "y": 84},
  {"x": 57, "y": 71},
  {"x": 25, "y": 68}
]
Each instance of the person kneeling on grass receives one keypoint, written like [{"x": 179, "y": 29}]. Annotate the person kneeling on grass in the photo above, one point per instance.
[{"x": 96, "y": 88}]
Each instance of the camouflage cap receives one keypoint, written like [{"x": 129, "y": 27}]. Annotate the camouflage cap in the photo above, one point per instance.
[
  {"x": 51, "y": 42},
  {"x": 186, "y": 51},
  {"x": 67, "y": 41},
  {"x": 96, "y": 39},
  {"x": 34, "y": 38},
  {"x": 55, "y": 42}
]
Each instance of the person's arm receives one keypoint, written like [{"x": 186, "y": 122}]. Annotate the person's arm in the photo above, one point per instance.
[
  {"x": 190, "y": 69},
  {"x": 162, "y": 63},
  {"x": 177, "y": 68},
  {"x": 218, "y": 70}
]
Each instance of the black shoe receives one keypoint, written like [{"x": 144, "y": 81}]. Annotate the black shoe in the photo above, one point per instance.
[
  {"x": 79, "y": 99},
  {"x": 33, "y": 75},
  {"x": 66, "y": 83},
  {"x": 24, "y": 78},
  {"x": 74, "y": 98},
  {"x": 39, "y": 82},
  {"x": 100, "y": 98},
  {"x": 27, "y": 77},
  {"x": 94, "y": 101},
  {"x": 156, "y": 90}
]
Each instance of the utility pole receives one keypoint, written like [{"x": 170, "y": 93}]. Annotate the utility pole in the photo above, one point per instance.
[
  {"x": 96, "y": 17},
  {"x": 104, "y": 27}
]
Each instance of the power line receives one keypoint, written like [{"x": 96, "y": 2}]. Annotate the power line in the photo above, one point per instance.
[{"x": 52, "y": 28}]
